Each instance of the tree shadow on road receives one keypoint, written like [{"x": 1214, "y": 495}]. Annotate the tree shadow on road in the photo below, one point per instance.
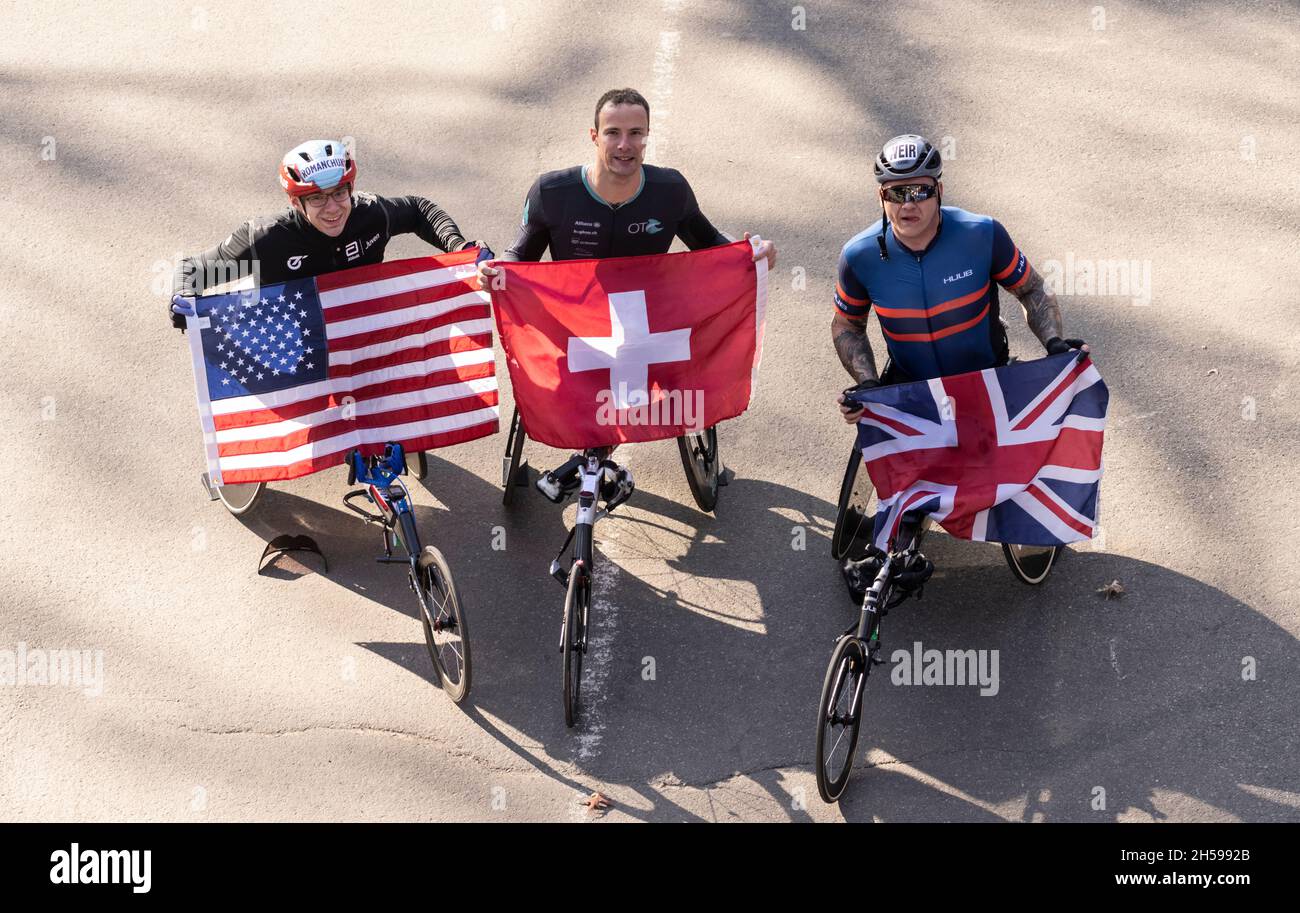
[{"x": 1123, "y": 696}]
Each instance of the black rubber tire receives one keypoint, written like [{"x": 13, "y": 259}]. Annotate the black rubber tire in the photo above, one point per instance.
[
  {"x": 848, "y": 664},
  {"x": 418, "y": 467},
  {"x": 240, "y": 499},
  {"x": 576, "y": 602},
  {"x": 854, "y": 512},
  {"x": 514, "y": 452},
  {"x": 439, "y": 595},
  {"x": 1031, "y": 564},
  {"x": 699, "y": 453}
]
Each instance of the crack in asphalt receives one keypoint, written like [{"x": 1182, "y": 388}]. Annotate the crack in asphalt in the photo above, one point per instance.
[{"x": 369, "y": 730}]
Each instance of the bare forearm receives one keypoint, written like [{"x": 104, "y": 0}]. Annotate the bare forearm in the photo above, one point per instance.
[
  {"x": 1042, "y": 313},
  {"x": 854, "y": 349}
]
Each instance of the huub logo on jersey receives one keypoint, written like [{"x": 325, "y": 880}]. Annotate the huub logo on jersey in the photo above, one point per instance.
[
  {"x": 296, "y": 262},
  {"x": 649, "y": 227},
  {"x": 947, "y": 279}
]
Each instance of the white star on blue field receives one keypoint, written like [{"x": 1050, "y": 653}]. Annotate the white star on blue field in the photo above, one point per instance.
[{"x": 262, "y": 340}]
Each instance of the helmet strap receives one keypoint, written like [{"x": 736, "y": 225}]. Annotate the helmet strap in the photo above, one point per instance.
[{"x": 884, "y": 227}]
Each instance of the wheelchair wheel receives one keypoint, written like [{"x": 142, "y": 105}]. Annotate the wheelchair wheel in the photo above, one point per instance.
[
  {"x": 856, "y": 510},
  {"x": 419, "y": 466},
  {"x": 446, "y": 634},
  {"x": 512, "y": 461},
  {"x": 699, "y": 452},
  {"x": 839, "y": 716},
  {"x": 1031, "y": 563},
  {"x": 573, "y": 638},
  {"x": 238, "y": 499}
]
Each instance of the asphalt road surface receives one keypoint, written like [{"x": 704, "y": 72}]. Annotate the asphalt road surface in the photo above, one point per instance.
[{"x": 1156, "y": 135}]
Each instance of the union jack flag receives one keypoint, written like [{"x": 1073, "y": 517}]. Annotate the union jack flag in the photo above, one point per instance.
[
  {"x": 291, "y": 377},
  {"x": 1010, "y": 454}
]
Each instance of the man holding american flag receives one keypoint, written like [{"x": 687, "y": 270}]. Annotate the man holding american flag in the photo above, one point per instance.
[
  {"x": 327, "y": 227},
  {"x": 333, "y": 349}
]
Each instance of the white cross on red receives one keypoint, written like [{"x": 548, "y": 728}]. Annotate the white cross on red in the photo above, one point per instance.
[{"x": 629, "y": 350}]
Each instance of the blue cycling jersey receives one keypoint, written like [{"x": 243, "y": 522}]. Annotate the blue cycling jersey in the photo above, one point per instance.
[{"x": 938, "y": 308}]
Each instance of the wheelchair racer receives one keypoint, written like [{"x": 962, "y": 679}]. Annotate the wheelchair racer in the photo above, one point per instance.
[
  {"x": 328, "y": 226},
  {"x": 931, "y": 272},
  {"x": 617, "y": 206}
]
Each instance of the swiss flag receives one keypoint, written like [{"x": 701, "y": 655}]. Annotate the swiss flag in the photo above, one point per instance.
[{"x": 605, "y": 352}]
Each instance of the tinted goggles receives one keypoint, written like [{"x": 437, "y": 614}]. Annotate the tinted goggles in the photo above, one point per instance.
[{"x": 915, "y": 193}]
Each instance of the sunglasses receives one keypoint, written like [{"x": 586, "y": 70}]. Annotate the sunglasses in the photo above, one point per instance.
[{"x": 910, "y": 192}]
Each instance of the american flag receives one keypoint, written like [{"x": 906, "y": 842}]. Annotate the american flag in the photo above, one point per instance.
[
  {"x": 1009, "y": 454},
  {"x": 291, "y": 377}
]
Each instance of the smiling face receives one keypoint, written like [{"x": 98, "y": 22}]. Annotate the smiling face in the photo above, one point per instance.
[
  {"x": 915, "y": 222},
  {"x": 620, "y": 138},
  {"x": 328, "y": 212}
]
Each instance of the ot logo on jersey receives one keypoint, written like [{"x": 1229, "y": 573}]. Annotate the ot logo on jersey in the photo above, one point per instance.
[
  {"x": 353, "y": 250},
  {"x": 650, "y": 227},
  {"x": 295, "y": 262}
]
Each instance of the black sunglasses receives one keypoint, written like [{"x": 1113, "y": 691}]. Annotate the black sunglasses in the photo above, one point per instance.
[{"x": 914, "y": 192}]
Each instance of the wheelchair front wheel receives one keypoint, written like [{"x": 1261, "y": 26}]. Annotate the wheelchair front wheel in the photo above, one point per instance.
[
  {"x": 699, "y": 452},
  {"x": 1031, "y": 563}
]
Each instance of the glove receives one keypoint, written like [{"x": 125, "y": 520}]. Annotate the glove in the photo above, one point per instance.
[
  {"x": 180, "y": 308},
  {"x": 869, "y": 384},
  {"x": 484, "y": 252},
  {"x": 1056, "y": 345}
]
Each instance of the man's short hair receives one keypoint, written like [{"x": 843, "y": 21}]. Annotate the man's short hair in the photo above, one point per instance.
[{"x": 621, "y": 97}]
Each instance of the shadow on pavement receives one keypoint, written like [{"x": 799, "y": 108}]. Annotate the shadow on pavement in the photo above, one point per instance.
[{"x": 1090, "y": 693}]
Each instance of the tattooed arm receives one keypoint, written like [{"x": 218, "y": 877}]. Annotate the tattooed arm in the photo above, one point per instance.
[
  {"x": 1042, "y": 313},
  {"x": 849, "y": 330},
  {"x": 853, "y": 347},
  {"x": 1010, "y": 268}
]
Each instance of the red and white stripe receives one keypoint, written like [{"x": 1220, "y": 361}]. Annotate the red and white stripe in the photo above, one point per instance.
[{"x": 410, "y": 360}]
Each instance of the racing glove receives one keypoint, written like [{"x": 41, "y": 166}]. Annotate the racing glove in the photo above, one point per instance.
[
  {"x": 180, "y": 308},
  {"x": 1056, "y": 345}
]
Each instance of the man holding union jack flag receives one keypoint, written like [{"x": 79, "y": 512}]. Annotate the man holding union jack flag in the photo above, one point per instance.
[{"x": 931, "y": 272}]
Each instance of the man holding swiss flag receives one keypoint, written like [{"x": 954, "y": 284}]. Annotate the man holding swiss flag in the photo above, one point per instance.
[{"x": 607, "y": 351}]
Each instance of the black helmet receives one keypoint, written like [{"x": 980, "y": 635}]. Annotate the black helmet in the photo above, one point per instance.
[{"x": 908, "y": 156}]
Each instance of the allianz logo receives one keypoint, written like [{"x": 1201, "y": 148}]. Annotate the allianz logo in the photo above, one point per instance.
[
  {"x": 969, "y": 272},
  {"x": 649, "y": 227}
]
